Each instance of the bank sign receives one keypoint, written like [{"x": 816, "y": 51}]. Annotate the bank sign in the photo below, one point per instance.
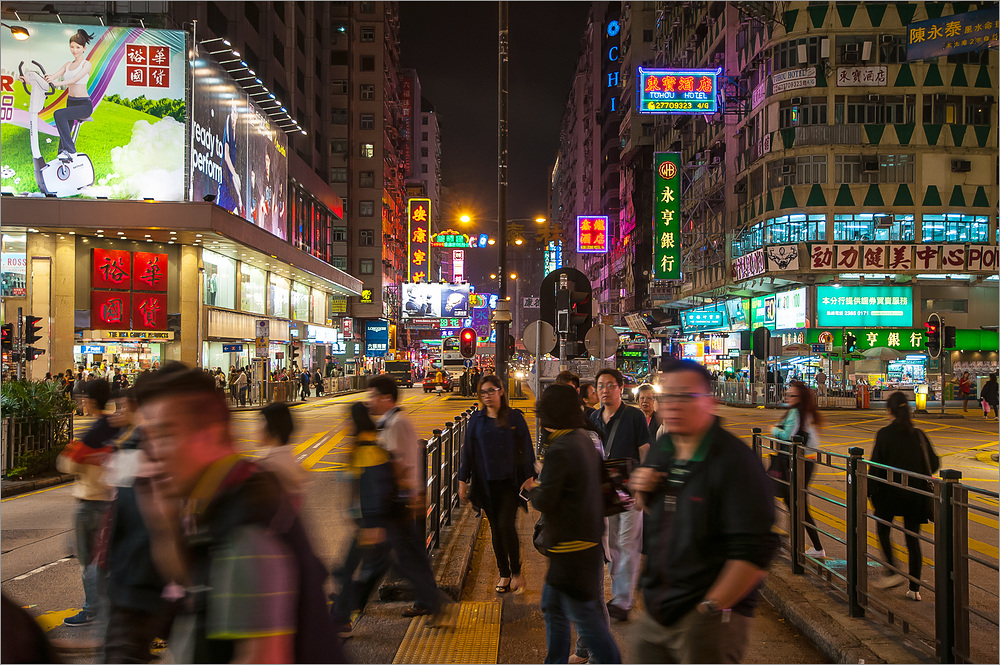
[
  {"x": 864, "y": 306},
  {"x": 683, "y": 91},
  {"x": 667, "y": 216}
]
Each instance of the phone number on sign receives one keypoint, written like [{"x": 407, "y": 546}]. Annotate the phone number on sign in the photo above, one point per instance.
[{"x": 680, "y": 106}]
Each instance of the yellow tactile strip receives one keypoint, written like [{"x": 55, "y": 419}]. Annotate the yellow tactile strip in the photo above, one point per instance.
[{"x": 474, "y": 639}]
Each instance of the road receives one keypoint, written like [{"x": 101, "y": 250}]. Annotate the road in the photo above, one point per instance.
[{"x": 39, "y": 572}]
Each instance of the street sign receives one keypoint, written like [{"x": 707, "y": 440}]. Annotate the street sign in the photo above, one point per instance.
[
  {"x": 263, "y": 328},
  {"x": 232, "y": 348},
  {"x": 539, "y": 331},
  {"x": 598, "y": 334},
  {"x": 818, "y": 348},
  {"x": 468, "y": 363},
  {"x": 261, "y": 344},
  {"x": 530, "y": 302}
]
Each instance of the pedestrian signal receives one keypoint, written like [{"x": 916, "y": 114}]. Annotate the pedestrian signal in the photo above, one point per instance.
[{"x": 467, "y": 339}]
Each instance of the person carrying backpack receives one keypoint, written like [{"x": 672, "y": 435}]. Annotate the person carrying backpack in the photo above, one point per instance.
[{"x": 227, "y": 532}]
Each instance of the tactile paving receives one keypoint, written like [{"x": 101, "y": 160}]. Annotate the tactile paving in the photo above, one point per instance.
[{"x": 475, "y": 637}]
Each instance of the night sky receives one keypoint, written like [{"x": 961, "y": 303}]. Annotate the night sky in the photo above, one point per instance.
[{"x": 453, "y": 47}]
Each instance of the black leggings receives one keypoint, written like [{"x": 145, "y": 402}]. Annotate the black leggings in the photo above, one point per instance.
[
  {"x": 501, "y": 511},
  {"x": 884, "y": 531},
  {"x": 784, "y": 492},
  {"x": 77, "y": 108}
]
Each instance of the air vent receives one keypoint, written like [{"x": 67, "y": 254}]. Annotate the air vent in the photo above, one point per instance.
[{"x": 961, "y": 166}]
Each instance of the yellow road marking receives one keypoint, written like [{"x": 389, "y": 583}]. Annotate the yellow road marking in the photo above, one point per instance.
[
  {"x": 323, "y": 450},
  {"x": 50, "y": 620},
  {"x": 47, "y": 489},
  {"x": 308, "y": 442}
]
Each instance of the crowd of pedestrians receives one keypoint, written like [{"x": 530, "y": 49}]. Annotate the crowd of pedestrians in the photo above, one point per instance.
[{"x": 180, "y": 537}]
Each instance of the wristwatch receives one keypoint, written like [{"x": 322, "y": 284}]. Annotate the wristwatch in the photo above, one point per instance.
[{"x": 710, "y": 607}]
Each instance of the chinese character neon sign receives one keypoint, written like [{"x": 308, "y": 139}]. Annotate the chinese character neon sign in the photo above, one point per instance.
[
  {"x": 450, "y": 239},
  {"x": 678, "y": 90},
  {"x": 666, "y": 216},
  {"x": 592, "y": 234},
  {"x": 419, "y": 239}
]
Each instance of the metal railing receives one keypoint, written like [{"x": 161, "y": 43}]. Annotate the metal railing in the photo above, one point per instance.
[
  {"x": 442, "y": 460},
  {"x": 743, "y": 393},
  {"x": 962, "y": 605},
  {"x": 19, "y": 436},
  {"x": 257, "y": 394}
]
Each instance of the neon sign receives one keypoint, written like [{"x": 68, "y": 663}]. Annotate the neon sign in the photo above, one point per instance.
[
  {"x": 678, "y": 90},
  {"x": 419, "y": 239},
  {"x": 450, "y": 239},
  {"x": 592, "y": 234}
]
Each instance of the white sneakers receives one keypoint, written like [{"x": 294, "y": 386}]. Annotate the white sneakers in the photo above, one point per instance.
[{"x": 815, "y": 553}]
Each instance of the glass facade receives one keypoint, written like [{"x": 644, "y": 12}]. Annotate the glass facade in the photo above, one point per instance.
[
  {"x": 278, "y": 296},
  {"x": 253, "y": 289},
  {"x": 782, "y": 230},
  {"x": 873, "y": 227},
  {"x": 300, "y": 302},
  {"x": 220, "y": 280},
  {"x": 955, "y": 228}
]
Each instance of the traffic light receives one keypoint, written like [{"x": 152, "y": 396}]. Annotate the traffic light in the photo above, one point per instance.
[
  {"x": 510, "y": 346},
  {"x": 293, "y": 355},
  {"x": 31, "y": 353},
  {"x": 574, "y": 312},
  {"x": 850, "y": 343},
  {"x": 467, "y": 340},
  {"x": 8, "y": 337},
  {"x": 32, "y": 329},
  {"x": 933, "y": 327},
  {"x": 949, "y": 337}
]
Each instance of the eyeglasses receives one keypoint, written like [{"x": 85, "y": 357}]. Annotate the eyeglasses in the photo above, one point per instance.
[
  {"x": 488, "y": 392},
  {"x": 680, "y": 398},
  {"x": 607, "y": 386}
]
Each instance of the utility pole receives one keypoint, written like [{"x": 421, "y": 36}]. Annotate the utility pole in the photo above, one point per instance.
[{"x": 502, "y": 320}]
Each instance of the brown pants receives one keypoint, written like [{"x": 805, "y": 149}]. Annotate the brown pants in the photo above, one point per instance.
[{"x": 694, "y": 638}]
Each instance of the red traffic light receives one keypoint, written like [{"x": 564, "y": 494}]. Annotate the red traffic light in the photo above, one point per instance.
[
  {"x": 467, "y": 342},
  {"x": 467, "y": 335},
  {"x": 931, "y": 328}
]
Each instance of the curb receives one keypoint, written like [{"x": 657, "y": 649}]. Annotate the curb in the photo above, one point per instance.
[
  {"x": 24, "y": 486},
  {"x": 451, "y": 562},
  {"x": 840, "y": 638}
]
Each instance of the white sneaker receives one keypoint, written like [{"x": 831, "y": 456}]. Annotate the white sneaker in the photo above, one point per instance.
[
  {"x": 889, "y": 581},
  {"x": 913, "y": 595},
  {"x": 815, "y": 553}
]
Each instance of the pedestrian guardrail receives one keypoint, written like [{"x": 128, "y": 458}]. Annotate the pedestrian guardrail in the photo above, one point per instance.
[
  {"x": 744, "y": 393},
  {"x": 258, "y": 394},
  {"x": 963, "y": 604},
  {"x": 20, "y": 436},
  {"x": 442, "y": 460}
]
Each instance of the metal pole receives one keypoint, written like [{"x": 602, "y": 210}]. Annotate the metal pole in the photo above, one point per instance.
[
  {"x": 538, "y": 387},
  {"x": 854, "y": 567},
  {"x": 19, "y": 343},
  {"x": 944, "y": 566},
  {"x": 795, "y": 511},
  {"x": 502, "y": 327}
]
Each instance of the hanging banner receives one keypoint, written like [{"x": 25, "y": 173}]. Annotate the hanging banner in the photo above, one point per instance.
[
  {"x": 948, "y": 35},
  {"x": 666, "y": 216},
  {"x": 418, "y": 250}
]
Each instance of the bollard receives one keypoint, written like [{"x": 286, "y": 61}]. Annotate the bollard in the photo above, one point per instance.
[
  {"x": 756, "y": 443},
  {"x": 944, "y": 566},
  {"x": 796, "y": 514},
  {"x": 857, "y": 578}
]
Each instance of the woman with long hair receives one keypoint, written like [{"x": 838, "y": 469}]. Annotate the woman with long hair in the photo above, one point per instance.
[
  {"x": 903, "y": 446},
  {"x": 498, "y": 459},
  {"x": 801, "y": 419},
  {"x": 74, "y": 76}
]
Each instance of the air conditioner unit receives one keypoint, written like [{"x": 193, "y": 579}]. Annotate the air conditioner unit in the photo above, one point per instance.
[
  {"x": 796, "y": 101},
  {"x": 873, "y": 98},
  {"x": 824, "y": 47},
  {"x": 849, "y": 58},
  {"x": 883, "y": 221},
  {"x": 961, "y": 166},
  {"x": 869, "y": 163},
  {"x": 787, "y": 169},
  {"x": 803, "y": 53},
  {"x": 866, "y": 51}
]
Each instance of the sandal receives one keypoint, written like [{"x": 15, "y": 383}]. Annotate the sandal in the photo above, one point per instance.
[
  {"x": 519, "y": 587},
  {"x": 503, "y": 588}
]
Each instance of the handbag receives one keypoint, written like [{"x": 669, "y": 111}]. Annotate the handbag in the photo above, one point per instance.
[
  {"x": 538, "y": 536},
  {"x": 928, "y": 500},
  {"x": 614, "y": 486}
]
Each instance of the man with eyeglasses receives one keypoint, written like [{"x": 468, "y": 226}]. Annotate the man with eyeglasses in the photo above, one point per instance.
[
  {"x": 625, "y": 435},
  {"x": 709, "y": 511}
]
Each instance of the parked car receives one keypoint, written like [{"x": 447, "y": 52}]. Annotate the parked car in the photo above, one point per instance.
[{"x": 430, "y": 383}]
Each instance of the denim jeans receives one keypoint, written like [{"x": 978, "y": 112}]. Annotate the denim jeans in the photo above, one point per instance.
[
  {"x": 624, "y": 549},
  {"x": 89, "y": 516},
  {"x": 560, "y": 609}
]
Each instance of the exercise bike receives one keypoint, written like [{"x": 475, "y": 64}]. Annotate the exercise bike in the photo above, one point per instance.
[{"x": 58, "y": 177}]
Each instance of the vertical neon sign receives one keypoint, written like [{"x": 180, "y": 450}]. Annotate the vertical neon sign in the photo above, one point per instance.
[{"x": 666, "y": 216}]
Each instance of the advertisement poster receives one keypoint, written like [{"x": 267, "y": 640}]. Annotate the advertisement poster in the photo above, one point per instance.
[
  {"x": 762, "y": 312},
  {"x": 955, "y": 33},
  {"x": 13, "y": 275},
  {"x": 88, "y": 111},
  {"x": 864, "y": 306},
  {"x": 592, "y": 234},
  {"x": 238, "y": 155},
  {"x": 376, "y": 338},
  {"x": 791, "y": 310},
  {"x": 422, "y": 300}
]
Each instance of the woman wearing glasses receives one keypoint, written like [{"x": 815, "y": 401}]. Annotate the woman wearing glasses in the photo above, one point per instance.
[{"x": 498, "y": 460}]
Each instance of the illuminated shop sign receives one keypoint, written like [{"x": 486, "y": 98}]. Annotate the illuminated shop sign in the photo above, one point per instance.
[
  {"x": 867, "y": 306},
  {"x": 121, "y": 282},
  {"x": 450, "y": 239},
  {"x": 666, "y": 216},
  {"x": 419, "y": 239},
  {"x": 592, "y": 234},
  {"x": 678, "y": 90}
]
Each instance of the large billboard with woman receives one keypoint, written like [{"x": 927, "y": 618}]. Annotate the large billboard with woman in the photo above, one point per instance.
[
  {"x": 92, "y": 111},
  {"x": 238, "y": 155}
]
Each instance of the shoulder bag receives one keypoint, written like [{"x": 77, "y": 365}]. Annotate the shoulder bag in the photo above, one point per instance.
[{"x": 928, "y": 500}]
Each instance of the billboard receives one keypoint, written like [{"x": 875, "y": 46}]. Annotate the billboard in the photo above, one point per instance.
[
  {"x": 422, "y": 300},
  {"x": 666, "y": 216},
  {"x": 376, "y": 337},
  {"x": 685, "y": 91},
  {"x": 956, "y": 33},
  {"x": 592, "y": 234},
  {"x": 762, "y": 314},
  {"x": 553, "y": 256},
  {"x": 864, "y": 306},
  {"x": 418, "y": 247},
  {"x": 124, "y": 85},
  {"x": 238, "y": 155},
  {"x": 791, "y": 309}
]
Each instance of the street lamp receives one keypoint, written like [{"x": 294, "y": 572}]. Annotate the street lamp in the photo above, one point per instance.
[
  {"x": 465, "y": 219},
  {"x": 540, "y": 220}
]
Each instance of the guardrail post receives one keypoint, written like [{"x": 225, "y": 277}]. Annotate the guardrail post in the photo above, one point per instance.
[
  {"x": 857, "y": 565},
  {"x": 446, "y": 457},
  {"x": 795, "y": 514},
  {"x": 944, "y": 566},
  {"x": 424, "y": 451},
  {"x": 960, "y": 511},
  {"x": 756, "y": 444}
]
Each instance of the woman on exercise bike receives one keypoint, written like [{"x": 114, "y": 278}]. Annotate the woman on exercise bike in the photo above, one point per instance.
[{"x": 74, "y": 76}]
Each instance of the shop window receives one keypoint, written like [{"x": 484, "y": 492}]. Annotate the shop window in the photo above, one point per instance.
[
  {"x": 318, "y": 306},
  {"x": 366, "y": 266},
  {"x": 278, "y": 297},
  {"x": 300, "y": 302},
  {"x": 367, "y": 33},
  {"x": 954, "y": 228},
  {"x": 338, "y": 234},
  {"x": 366, "y": 179},
  {"x": 220, "y": 280},
  {"x": 366, "y": 150},
  {"x": 253, "y": 288},
  {"x": 873, "y": 227},
  {"x": 367, "y": 121},
  {"x": 367, "y": 92},
  {"x": 366, "y": 208}
]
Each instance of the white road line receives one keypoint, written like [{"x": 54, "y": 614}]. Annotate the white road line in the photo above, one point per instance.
[
  {"x": 308, "y": 451},
  {"x": 40, "y": 569}
]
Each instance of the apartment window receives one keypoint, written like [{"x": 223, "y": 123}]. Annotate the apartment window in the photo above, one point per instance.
[
  {"x": 338, "y": 86},
  {"x": 367, "y": 92},
  {"x": 366, "y": 150},
  {"x": 300, "y": 79},
  {"x": 874, "y": 109},
  {"x": 978, "y": 110},
  {"x": 873, "y": 227},
  {"x": 366, "y": 208},
  {"x": 795, "y": 228},
  {"x": 872, "y": 169},
  {"x": 338, "y": 174},
  {"x": 338, "y": 234},
  {"x": 339, "y": 117},
  {"x": 786, "y": 54},
  {"x": 851, "y": 50},
  {"x": 339, "y": 59},
  {"x": 971, "y": 58},
  {"x": 367, "y": 266},
  {"x": 367, "y": 63},
  {"x": 339, "y": 262},
  {"x": 892, "y": 49},
  {"x": 279, "y": 10},
  {"x": 318, "y": 104},
  {"x": 423, "y": 136},
  {"x": 367, "y": 121},
  {"x": 366, "y": 179},
  {"x": 941, "y": 109},
  {"x": 250, "y": 56},
  {"x": 279, "y": 50},
  {"x": 300, "y": 40},
  {"x": 367, "y": 7},
  {"x": 366, "y": 237},
  {"x": 217, "y": 20},
  {"x": 955, "y": 228},
  {"x": 802, "y": 170},
  {"x": 252, "y": 12},
  {"x": 423, "y": 168},
  {"x": 367, "y": 33},
  {"x": 338, "y": 146},
  {"x": 804, "y": 111},
  {"x": 423, "y": 152}
]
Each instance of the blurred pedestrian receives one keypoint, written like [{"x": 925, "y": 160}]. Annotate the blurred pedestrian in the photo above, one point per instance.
[
  {"x": 227, "y": 532},
  {"x": 801, "y": 419},
  {"x": 498, "y": 460},
  {"x": 625, "y": 435},
  {"x": 710, "y": 510},
  {"x": 278, "y": 457},
  {"x": 902, "y": 446},
  {"x": 568, "y": 495},
  {"x": 85, "y": 460},
  {"x": 22, "y": 640},
  {"x": 990, "y": 395},
  {"x": 646, "y": 397}
]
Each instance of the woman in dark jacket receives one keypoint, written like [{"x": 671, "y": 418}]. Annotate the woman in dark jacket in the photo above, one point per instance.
[
  {"x": 498, "y": 459},
  {"x": 991, "y": 395},
  {"x": 905, "y": 447},
  {"x": 569, "y": 497}
]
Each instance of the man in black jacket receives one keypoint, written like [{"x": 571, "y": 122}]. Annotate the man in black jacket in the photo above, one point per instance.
[{"x": 709, "y": 511}]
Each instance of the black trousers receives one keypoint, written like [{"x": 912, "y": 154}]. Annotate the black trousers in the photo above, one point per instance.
[
  {"x": 501, "y": 511},
  {"x": 884, "y": 532},
  {"x": 784, "y": 494},
  {"x": 130, "y": 633}
]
